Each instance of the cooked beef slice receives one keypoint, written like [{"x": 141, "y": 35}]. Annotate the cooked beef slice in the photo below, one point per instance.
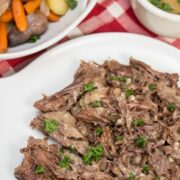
[
  {"x": 132, "y": 114},
  {"x": 113, "y": 67},
  {"x": 89, "y": 72},
  {"x": 61, "y": 100},
  {"x": 66, "y": 98},
  {"x": 95, "y": 107},
  {"x": 66, "y": 132},
  {"x": 85, "y": 109},
  {"x": 106, "y": 140},
  {"x": 46, "y": 162},
  {"x": 39, "y": 154}
]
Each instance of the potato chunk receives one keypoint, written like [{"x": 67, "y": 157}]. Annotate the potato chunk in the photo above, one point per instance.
[{"x": 59, "y": 7}]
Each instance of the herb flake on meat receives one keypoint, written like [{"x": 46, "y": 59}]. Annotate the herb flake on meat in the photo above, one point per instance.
[
  {"x": 99, "y": 131},
  {"x": 89, "y": 87},
  {"x": 146, "y": 168},
  {"x": 157, "y": 178},
  {"x": 138, "y": 122},
  {"x": 113, "y": 117},
  {"x": 65, "y": 162},
  {"x": 95, "y": 104},
  {"x": 131, "y": 176},
  {"x": 141, "y": 141},
  {"x": 171, "y": 107},
  {"x": 129, "y": 92},
  {"x": 152, "y": 87},
  {"x": 93, "y": 154},
  {"x": 117, "y": 78},
  {"x": 50, "y": 125},
  {"x": 40, "y": 169},
  {"x": 118, "y": 138},
  {"x": 72, "y": 149}
]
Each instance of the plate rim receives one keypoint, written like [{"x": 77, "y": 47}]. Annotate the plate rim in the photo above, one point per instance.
[
  {"x": 81, "y": 39},
  {"x": 96, "y": 36},
  {"x": 60, "y": 49},
  {"x": 44, "y": 45}
]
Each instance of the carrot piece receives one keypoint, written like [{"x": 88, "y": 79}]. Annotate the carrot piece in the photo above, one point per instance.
[
  {"x": 7, "y": 16},
  {"x": 19, "y": 15},
  {"x": 53, "y": 17},
  {"x": 31, "y": 6},
  {"x": 3, "y": 37}
]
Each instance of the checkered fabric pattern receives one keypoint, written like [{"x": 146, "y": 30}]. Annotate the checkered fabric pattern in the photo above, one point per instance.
[{"x": 107, "y": 16}]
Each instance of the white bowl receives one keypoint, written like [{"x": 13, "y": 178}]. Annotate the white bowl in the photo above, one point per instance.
[
  {"x": 156, "y": 20},
  {"x": 56, "y": 31}
]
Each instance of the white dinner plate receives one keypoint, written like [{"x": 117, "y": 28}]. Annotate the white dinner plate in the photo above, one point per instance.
[
  {"x": 54, "y": 70},
  {"x": 56, "y": 31}
]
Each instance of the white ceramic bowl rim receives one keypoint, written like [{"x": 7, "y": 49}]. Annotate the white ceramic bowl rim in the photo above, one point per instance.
[{"x": 155, "y": 10}]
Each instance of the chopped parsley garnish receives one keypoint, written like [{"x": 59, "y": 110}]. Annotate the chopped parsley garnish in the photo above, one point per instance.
[
  {"x": 50, "y": 125},
  {"x": 171, "y": 107},
  {"x": 61, "y": 152},
  {"x": 131, "y": 176},
  {"x": 129, "y": 92},
  {"x": 138, "y": 122},
  {"x": 34, "y": 38},
  {"x": 72, "y": 149},
  {"x": 118, "y": 138},
  {"x": 72, "y": 4},
  {"x": 162, "y": 5},
  {"x": 113, "y": 117},
  {"x": 65, "y": 162},
  {"x": 157, "y": 178},
  {"x": 95, "y": 104},
  {"x": 146, "y": 168},
  {"x": 99, "y": 131},
  {"x": 93, "y": 154},
  {"x": 141, "y": 141},
  {"x": 89, "y": 87},
  {"x": 40, "y": 169},
  {"x": 117, "y": 78},
  {"x": 152, "y": 87},
  {"x": 178, "y": 1}
]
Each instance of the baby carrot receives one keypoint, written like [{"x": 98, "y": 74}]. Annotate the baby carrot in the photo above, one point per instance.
[
  {"x": 7, "y": 16},
  {"x": 53, "y": 17},
  {"x": 19, "y": 15},
  {"x": 3, "y": 37},
  {"x": 32, "y": 5}
]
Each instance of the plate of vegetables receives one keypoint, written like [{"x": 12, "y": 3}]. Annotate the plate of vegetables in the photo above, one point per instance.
[{"x": 29, "y": 26}]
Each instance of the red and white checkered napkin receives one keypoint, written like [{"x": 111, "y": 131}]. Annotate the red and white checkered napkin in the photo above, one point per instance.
[{"x": 107, "y": 16}]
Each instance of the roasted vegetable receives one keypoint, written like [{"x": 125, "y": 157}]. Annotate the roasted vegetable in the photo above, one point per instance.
[
  {"x": 31, "y": 6},
  {"x": 37, "y": 25},
  {"x": 3, "y": 37},
  {"x": 59, "y": 7},
  {"x": 53, "y": 17},
  {"x": 37, "y": 22},
  {"x": 7, "y": 16},
  {"x": 19, "y": 15},
  {"x": 16, "y": 37}
]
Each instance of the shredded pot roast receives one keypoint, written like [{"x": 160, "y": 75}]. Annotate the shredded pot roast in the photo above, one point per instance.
[{"x": 113, "y": 122}]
